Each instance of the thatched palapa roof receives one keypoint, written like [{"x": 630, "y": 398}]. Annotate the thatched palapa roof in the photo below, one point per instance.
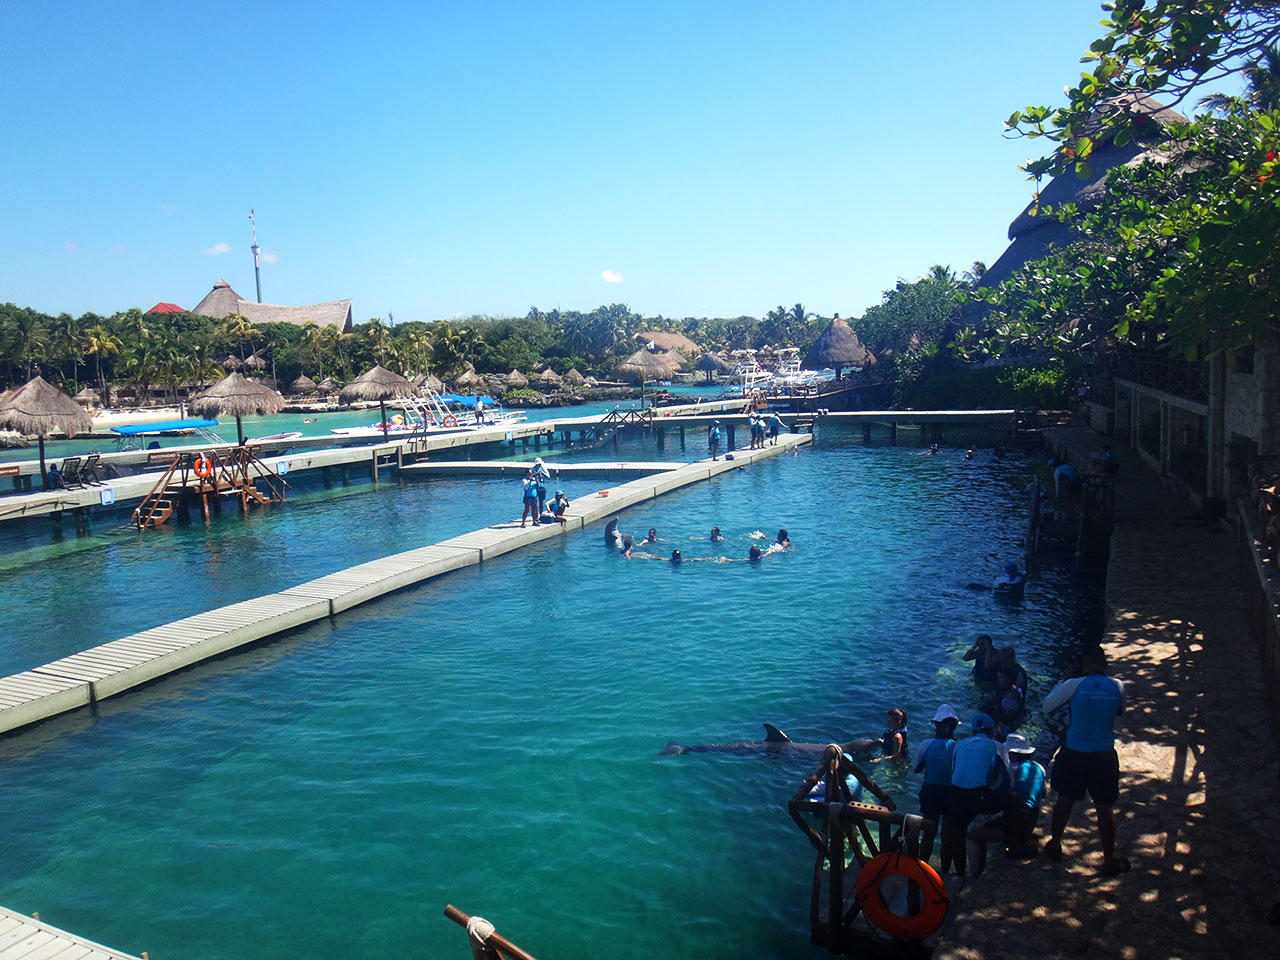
[
  {"x": 434, "y": 383},
  {"x": 669, "y": 341},
  {"x": 255, "y": 362},
  {"x": 517, "y": 380},
  {"x": 643, "y": 365},
  {"x": 549, "y": 378},
  {"x": 38, "y": 408},
  {"x": 303, "y": 385},
  {"x": 376, "y": 383},
  {"x": 236, "y": 396},
  {"x": 87, "y": 396},
  {"x": 574, "y": 378},
  {"x": 838, "y": 347},
  {"x": 222, "y": 301},
  {"x": 712, "y": 363},
  {"x": 466, "y": 380},
  {"x": 326, "y": 385}
]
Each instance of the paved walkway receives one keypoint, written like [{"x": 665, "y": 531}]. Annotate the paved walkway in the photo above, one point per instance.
[{"x": 1199, "y": 810}]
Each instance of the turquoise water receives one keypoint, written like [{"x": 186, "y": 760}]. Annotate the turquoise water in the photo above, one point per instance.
[{"x": 491, "y": 738}]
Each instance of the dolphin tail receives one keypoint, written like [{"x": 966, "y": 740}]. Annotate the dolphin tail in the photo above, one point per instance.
[{"x": 774, "y": 735}]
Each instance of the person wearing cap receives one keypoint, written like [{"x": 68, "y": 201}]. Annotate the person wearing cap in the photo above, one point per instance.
[
  {"x": 675, "y": 556},
  {"x": 979, "y": 784},
  {"x": 1016, "y": 825},
  {"x": 775, "y": 424},
  {"x": 540, "y": 476},
  {"x": 713, "y": 440},
  {"x": 1087, "y": 761},
  {"x": 530, "y": 488},
  {"x": 1065, "y": 476},
  {"x": 933, "y": 758},
  {"x": 1010, "y": 578},
  {"x": 559, "y": 505}
]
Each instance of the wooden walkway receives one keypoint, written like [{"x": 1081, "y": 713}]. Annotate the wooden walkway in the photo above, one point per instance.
[
  {"x": 455, "y": 468},
  {"x": 26, "y": 938},
  {"x": 112, "y": 668}
]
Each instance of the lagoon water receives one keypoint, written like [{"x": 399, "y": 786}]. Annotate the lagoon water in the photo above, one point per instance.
[{"x": 491, "y": 738}]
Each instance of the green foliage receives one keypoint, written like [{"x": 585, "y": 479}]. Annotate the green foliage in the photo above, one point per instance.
[
  {"x": 967, "y": 387},
  {"x": 524, "y": 393}
]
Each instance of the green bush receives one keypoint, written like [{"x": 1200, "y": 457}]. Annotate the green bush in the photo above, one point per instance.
[
  {"x": 520, "y": 394},
  {"x": 978, "y": 388}
]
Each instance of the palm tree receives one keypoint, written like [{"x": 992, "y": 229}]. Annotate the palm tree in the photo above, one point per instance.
[
  {"x": 1262, "y": 79},
  {"x": 238, "y": 329},
  {"x": 98, "y": 342},
  {"x": 65, "y": 337},
  {"x": 379, "y": 337}
]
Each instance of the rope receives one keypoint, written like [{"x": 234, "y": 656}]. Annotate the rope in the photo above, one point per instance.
[{"x": 479, "y": 930}]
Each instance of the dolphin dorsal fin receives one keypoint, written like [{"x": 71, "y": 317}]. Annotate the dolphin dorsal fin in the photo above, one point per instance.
[{"x": 773, "y": 735}]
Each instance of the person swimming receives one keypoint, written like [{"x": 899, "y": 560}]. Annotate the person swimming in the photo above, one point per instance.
[
  {"x": 715, "y": 534},
  {"x": 783, "y": 540},
  {"x": 754, "y": 553},
  {"x": 675, "y": 557},
  {"x": 651, "y": 536},
  {"x": 626, "y": 548}
]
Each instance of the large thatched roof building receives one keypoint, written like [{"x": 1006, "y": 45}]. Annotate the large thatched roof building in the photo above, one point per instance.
[
  {"x": 222, "y": 301},
  {"x": 669, "y": 341}
]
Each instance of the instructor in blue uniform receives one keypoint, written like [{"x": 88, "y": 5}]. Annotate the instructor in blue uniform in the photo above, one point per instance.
[{"x": 1087, "y": 761}]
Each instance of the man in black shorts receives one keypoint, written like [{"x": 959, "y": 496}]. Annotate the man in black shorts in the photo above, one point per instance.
[{"x": 1087, "y": 761}]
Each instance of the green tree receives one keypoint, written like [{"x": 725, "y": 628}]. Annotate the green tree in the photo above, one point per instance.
[{"x": 100, "y": 344}]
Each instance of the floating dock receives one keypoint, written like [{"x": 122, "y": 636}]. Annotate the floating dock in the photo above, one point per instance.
[
  {"x": 82, "y": 679},
  {"x": 28, "y": 938}
]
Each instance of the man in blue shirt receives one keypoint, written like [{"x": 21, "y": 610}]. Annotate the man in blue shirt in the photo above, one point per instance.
[
  {"x": 1087, "y": 761},
  {"x": 713, "y": 440},
  {"x": 979, "y": 784}
]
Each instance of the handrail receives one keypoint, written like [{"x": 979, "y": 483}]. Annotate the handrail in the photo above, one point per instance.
[{"x": 497, "y": 940}]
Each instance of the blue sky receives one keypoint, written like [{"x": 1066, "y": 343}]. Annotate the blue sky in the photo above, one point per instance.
[{"x": 439, "y": 159}]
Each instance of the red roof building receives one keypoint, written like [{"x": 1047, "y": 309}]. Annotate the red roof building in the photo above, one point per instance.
[{"x": 165, "y": 308}]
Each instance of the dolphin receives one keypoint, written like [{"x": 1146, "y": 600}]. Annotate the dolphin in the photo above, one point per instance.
[
  {"x": 775, "y": 741},
  {"x": 612, "y": 538}
]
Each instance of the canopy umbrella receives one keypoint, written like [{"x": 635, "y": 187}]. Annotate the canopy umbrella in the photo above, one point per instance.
[
  {"x": 40, "y": 408},
  {"x": 711, "y": 364},
  {"x": 255, "y": 362},
  {"x": 304, "y": 385},
  {"x": 838, "y": 347},
  {"x": 517, "y": 380},
  {"x": 574, "y": 378},
  {"x": 237, "y": 396},
  {"x": 549, "y": 378},
  {"x": 643, "y": 365},
  {"x": 466, "y": 380},
  {"x": 376, "y": 383}
]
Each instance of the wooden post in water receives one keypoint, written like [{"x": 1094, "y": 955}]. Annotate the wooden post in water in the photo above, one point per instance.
[
  {"x": 866, "y": 432},
  {"x": 893, "y": 433}
]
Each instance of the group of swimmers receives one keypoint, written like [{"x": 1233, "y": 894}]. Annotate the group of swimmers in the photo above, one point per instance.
[{"x": 626, "y": 545}]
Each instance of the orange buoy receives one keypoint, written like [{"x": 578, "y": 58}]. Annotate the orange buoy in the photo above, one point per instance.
[
  {"x": 449, "y": 420},
  {"x": 917, "y": 926},
  {"x": 203, "y": 467}
]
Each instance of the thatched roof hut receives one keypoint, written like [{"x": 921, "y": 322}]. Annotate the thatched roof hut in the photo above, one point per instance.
[
  {"x": 255, "y": 362},
  {"x": 838, "y": 347},
  {"x": 222, "y": 301},
  {"x": 711, "y": 364},
  {"x": 88, "y": 398},
  {"x": 549, "y": 378},
  {"x": 39, "y": 408},
  {"x": 642, "y": 366},
  {"x": 326, "y": 385},
  {"x": 669, "y": 341},
  {"x": 517, "y": 380},
  {"x": 434, "y": 383},
  {"x": 680, "y": 361},
  {"x": 591, "y": 382},
  {"x": 573, "y": 378},
  {"x": 231, "y": 362},
  {"x": 467, "y": 380},
  {"x": 304, "y": 386},
  {"x": 376, "y": 383},
  {"x": 237, "y": 396}
]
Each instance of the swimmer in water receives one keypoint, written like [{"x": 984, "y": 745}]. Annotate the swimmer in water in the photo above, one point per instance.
[
  {"x": 675, "y": 556},
  {"x": 754, "y": 554},
  {"x": 651, "y": 537},
  {"x": 626, "y": 548},
  {"x": 783, "y": 539},
  {"x": 715, "y": 534}
]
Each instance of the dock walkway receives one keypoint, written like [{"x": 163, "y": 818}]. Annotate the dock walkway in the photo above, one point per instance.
[
  {"x": 26, "y": 938},
  {"x": 109, "y": 669},
  {"x": 1199, "y": 810}
]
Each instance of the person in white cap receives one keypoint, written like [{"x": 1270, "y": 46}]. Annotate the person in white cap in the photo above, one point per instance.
[
  {"x": 933, "y": 758},
  {"x": 1016, "y": 826},
  {"x": 540, "y": 476}
]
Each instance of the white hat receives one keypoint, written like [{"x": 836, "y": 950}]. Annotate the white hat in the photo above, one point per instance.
[
  {"x": 945, "y": 712},
  {"x": 1017, "y": 743},
  {"x": 537, "y": 459}
]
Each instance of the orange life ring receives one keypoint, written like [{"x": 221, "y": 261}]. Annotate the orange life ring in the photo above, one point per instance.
[
  {"x": 203, "y": 467},
  {"x": 449, "y": 420},
  {"x": 917, "y": 926}
]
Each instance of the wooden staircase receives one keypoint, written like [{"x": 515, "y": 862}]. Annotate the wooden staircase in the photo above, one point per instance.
[{"x": 209, "y": 477}]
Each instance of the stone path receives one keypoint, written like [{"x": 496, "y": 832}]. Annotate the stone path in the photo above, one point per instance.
[{"x": 1199, "y": 810}]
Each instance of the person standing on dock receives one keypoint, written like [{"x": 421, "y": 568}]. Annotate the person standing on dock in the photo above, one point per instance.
[
  {"x": 530, "y": 488},
  {"x": 713, "y": 439},
  {"x": 775, "y": 424},
  {"x": 541, "y": 475},
  {"x": 479, "y": 409},
  {"x": 1087, "y": 761},
  {"x": 979, "y": 784}
]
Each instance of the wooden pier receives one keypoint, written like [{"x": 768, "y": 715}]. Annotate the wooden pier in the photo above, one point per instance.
[
  {"x": 82, "y": 679},
  {"x": 29, "y": 938}
]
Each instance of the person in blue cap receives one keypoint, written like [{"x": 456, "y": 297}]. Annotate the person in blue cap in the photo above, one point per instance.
[
  {"x": 558, "y": 506},
  {"x": 979, "y": 784}
]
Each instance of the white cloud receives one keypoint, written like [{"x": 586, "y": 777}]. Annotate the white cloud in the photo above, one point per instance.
[
  {"x": 270, "y": 258},
  {"x": 168, "y": 209},
  {"x": 217, "y": 250},
  {"x": 73, "y": 248},
  {"x": 117, "y": 248},
  {"x": 611, "y": 277}
]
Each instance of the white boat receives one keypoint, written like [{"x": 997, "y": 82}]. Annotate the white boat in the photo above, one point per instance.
[
  {"x": 790, "y": 375},
  {"x": 435, "y": 413}
]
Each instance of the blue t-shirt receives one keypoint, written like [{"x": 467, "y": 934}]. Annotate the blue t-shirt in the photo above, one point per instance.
[
  {"x": 1028, "y": 782},
  {"x": 715, "y": 435},
  {"x": 530, "y": 488},
  {"x": 934, "y": 757},
  {"x": 974, "y": 758},
  {"x": 1096, "y": 700}
]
